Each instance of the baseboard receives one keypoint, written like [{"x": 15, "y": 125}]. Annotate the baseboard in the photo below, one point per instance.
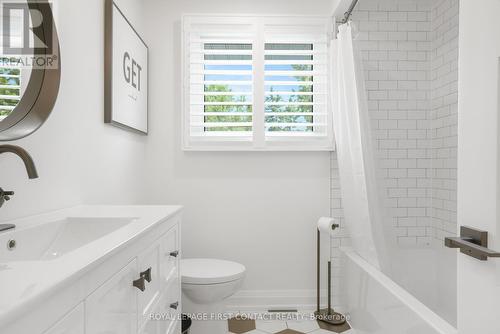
[{"x": 262, "y": 300}]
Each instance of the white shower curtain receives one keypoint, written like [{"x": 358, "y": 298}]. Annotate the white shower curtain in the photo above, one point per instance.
[{"x": 360, "y": 189}]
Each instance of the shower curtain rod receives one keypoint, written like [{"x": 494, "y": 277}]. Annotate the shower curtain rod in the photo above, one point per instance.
[{"x": 348, "y": 14}]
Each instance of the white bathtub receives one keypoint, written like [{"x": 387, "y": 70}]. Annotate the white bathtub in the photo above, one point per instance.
[
  {"x": 430, "y": 275},
  {"x": 377, "y": 305}
]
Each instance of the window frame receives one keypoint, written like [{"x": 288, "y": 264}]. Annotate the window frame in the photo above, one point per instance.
[{"x": 258, "y": 141}]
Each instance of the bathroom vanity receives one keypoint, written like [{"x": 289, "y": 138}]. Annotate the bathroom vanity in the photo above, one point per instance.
[{"x": 92, "y": 269}]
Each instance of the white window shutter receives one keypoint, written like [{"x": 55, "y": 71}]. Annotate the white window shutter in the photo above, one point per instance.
[
  {"x": 11, "y": 71},
  {"x": 296, "y": 82},
  {"x": 256, "y": 83},
  {"x": 10, "y": 90}
]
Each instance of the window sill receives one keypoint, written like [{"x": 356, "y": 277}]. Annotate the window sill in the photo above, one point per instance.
[
  {"x": 248, "y": 144},
  {"x": 223, "y": 147}
]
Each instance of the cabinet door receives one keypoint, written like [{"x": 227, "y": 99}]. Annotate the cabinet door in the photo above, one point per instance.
[
  {"x": 164, "y": 319},
  {"x": 170, "y": 255},
  {"x": 72, "y": 323},
  {"x": 152, "y": 324},
  {"x": 112, "y": 308},
  {"x": 149, "y": 264},
  {"x": 172, "y": 304}
]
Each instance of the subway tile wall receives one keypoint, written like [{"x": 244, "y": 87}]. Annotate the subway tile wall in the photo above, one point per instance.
[
  {"x": 444, "y": 116},
  {"x": 410, "y": 57}
]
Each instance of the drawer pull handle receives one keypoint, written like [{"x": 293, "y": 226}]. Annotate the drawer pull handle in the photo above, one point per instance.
[
  {"x": 174, "y": 253},
  {"x": 147, "y": 275},
  {"x": 174, "y": 305},
  {"x": 140, "y": 284}
]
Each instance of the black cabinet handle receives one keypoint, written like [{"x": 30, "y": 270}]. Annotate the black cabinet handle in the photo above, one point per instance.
[
  {"x": 174, "y": 305},
  {"x": 147, "y": 275},
  {"x": 140, "y": 284},
  {"x": 174, "y": 253}
]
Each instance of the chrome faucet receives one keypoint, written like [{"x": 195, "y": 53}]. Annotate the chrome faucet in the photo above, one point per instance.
[{"x": 28, "y": 163}]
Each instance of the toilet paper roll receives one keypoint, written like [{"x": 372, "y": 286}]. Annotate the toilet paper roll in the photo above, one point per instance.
[{"x": 326, "y": 225}]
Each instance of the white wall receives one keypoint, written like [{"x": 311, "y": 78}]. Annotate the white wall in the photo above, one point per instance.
[
  {"x": 256, "y": 208},
  {"x": 79, "y": 158}
]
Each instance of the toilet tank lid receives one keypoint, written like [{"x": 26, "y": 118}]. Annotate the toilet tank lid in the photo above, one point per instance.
[{"x": 210, "y": 271}]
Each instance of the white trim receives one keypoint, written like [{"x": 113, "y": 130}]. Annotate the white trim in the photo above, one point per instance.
[
  {"x": 225, "y": 93},
  {"x": 223, "y": 104},
  {"x": 289, "y": 83},
  {"x": 258, "y": 89},
  {"x": 247, "y": 146},
  {"x": 8, "y": 107},
  {"x": 221, "y": 113},
  {"x": 220, "y": 82},
  {"x": 262, "y": 300}
]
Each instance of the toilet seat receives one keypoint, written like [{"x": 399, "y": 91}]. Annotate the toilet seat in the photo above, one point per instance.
[{"x": 210, "y": 271}]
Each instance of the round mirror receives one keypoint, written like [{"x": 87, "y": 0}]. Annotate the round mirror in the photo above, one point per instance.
[{"x": 29, "y": 67}]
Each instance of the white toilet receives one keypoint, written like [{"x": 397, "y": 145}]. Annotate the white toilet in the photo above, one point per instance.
[
  {"x": 206, "y": 284},
  {"x": 209, "y": 281}
]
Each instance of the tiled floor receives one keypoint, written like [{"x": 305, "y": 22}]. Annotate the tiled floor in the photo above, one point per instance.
[{"x": 267, "y": 323}]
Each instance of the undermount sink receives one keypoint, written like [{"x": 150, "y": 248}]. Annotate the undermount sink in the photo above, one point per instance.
[{"x": 54, "y": 239}]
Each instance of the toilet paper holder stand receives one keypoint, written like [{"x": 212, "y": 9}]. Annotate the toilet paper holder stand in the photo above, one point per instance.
[{"x": 327, "y": 315}]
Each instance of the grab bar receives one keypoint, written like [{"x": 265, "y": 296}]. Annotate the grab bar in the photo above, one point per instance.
[{"x": 472, "y": 242}]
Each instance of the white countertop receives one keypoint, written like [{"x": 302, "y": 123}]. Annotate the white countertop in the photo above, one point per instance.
[{"x": 25, "y": 283}]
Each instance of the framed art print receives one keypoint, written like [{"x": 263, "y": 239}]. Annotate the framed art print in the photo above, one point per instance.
[{"x": 126, "y": 73}]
